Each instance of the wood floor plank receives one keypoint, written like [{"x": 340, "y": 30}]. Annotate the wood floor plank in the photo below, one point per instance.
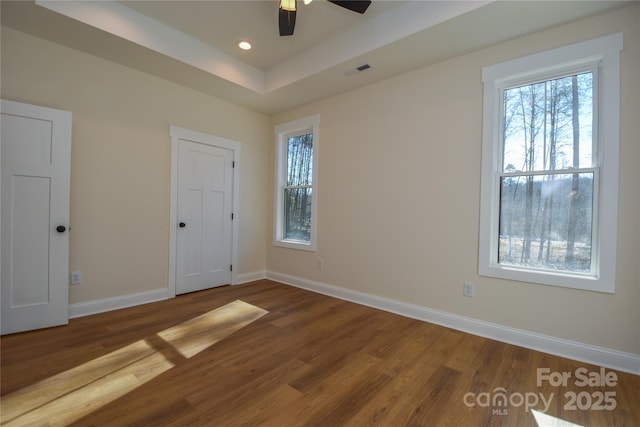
[{"x": 297, "y": 359}]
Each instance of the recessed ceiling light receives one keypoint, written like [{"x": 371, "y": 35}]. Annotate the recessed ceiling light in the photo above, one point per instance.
[{"x": 244, "y": 45}]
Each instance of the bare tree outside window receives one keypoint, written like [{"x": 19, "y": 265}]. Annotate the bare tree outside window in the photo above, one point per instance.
[
  {"x": 298, "y": 190},
  {"x": 547, "y": 180}
]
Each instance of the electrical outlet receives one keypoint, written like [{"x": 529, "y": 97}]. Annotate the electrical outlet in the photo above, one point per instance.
[
  {"x": 467, "y": 289},
  {"x": 76, "y": 277},
  {"x": 319, "y": 264}
]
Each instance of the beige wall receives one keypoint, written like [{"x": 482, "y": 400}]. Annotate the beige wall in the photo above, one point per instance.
[
  {"x": 120, "y": 161},
  {"x": 399, "y": 183},
  {"x": 399, "y": 196}
]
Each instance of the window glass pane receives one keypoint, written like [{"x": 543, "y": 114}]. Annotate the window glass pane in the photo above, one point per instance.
[
  {"x": 548, "y": 125},
  {"x": 545, "y": 221},
  {"x": 297, "y": 214},
  {"x": 299, "y": 159}
]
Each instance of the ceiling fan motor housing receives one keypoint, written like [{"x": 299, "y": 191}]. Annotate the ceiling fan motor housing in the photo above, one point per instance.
[{"x": 287, "y": 16}]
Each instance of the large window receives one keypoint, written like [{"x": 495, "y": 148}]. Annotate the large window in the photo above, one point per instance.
[
  {"x": 550, "y": 167},
  {"x": 296, "y": 180}
]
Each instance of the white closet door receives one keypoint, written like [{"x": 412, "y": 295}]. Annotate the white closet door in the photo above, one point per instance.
[{"x": 36, "y": 161}]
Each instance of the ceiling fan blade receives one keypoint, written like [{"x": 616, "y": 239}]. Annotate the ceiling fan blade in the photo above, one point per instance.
[
  {"x": 286, "y": 21},
  {"x": 359, "y": 6}
]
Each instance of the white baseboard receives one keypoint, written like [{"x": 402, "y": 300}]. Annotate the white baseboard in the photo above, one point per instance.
[
  {"x": 627, "y": 362},
  {"x": 250, "y": 277},
  {"x": 115, "y": 303},
  {"x": 108, "y": 304}
]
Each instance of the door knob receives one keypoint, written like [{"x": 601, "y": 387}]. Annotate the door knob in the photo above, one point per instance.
[
  {"x": 61, "y": 229},
  {"x": 182, "y": 225}
]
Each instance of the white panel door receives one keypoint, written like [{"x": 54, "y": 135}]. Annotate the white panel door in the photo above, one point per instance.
[
  {"x": 205, "y": 185},
  {"x": 36, "y": 157}
]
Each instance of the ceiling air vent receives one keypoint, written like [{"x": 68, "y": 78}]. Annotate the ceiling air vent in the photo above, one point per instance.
[{"x": 358, "y": 69}]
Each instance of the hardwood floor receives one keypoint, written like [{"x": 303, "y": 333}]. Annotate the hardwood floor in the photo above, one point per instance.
[{"x": 268, "y": 354}]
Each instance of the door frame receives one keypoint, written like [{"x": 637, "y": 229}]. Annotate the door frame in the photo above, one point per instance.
[{"x": 178, "y": 133}]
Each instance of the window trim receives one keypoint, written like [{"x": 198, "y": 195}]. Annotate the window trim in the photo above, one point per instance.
[
  {"x": 284, "y": 131},
  {"x": 603, "y": 53}
]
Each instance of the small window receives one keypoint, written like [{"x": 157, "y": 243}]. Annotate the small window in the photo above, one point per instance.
[
  {"x": 296, "y": 181},
  {"x": 550, "y": 167}
]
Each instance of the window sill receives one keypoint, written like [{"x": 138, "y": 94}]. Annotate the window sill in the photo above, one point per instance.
[
  {"x": 560, "y": 279},
  {"x": 295, "y": 244}
]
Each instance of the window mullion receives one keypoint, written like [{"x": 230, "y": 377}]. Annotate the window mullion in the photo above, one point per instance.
[
  {"x": 568, "y": 171},
  {"x": 294, "y": 187}
]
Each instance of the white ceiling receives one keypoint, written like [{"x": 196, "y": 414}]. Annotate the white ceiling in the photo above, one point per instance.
[
  {"x": 222, "y": 23},
  {"x": 194, "y": 43}
]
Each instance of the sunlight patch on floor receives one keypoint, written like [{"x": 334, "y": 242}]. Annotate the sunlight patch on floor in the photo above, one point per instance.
[
  {"x": 546, "y": 420},
  {"x": 67, "y": 397},
  {"x": 199, "y": 333}
]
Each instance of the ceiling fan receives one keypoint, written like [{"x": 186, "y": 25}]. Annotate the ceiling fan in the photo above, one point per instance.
[{"x": 287, "y": 12}]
